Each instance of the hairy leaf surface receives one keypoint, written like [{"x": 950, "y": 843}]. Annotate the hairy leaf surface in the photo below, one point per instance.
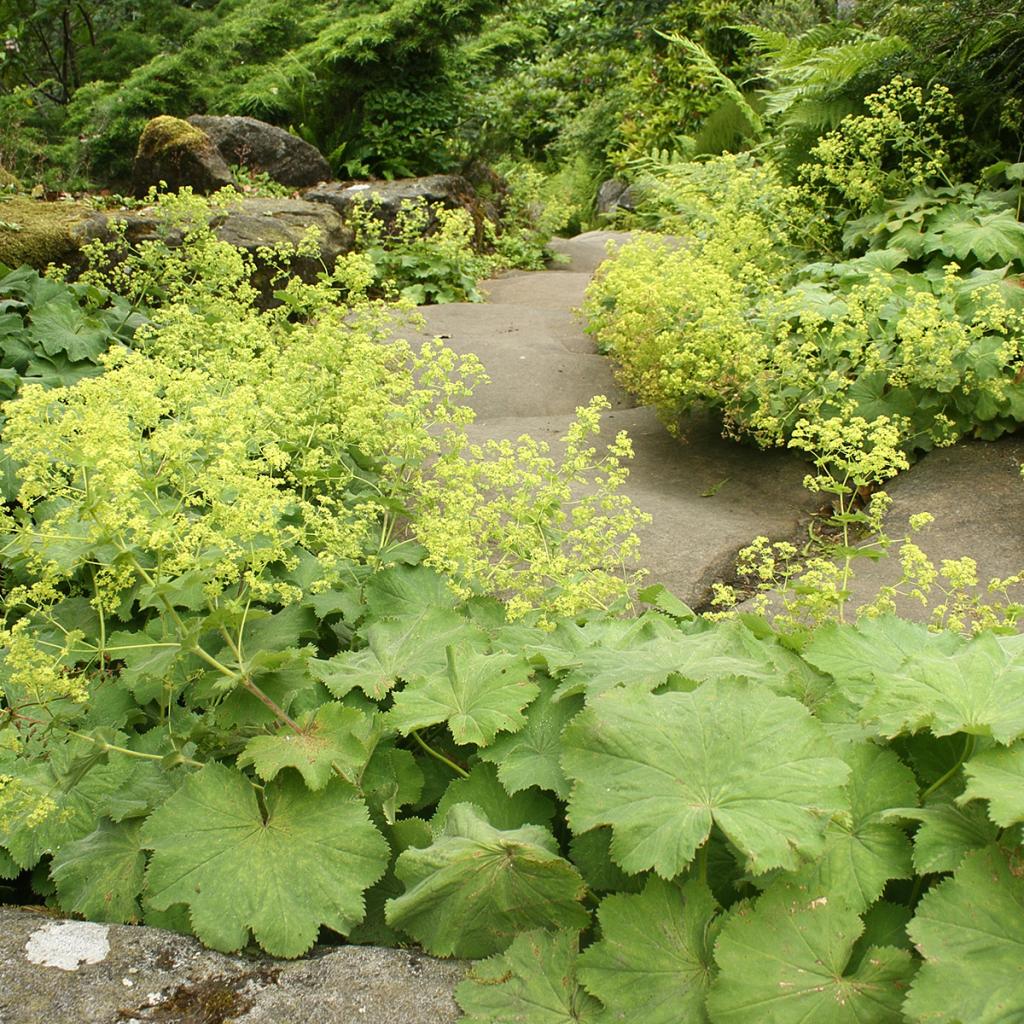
[
  {"x": 531, "y": 756},
  {"x": 862, "y": 851},
  {"x": 786, "y": 959},
  {"x": 662, "y": 769},
  {"x": 478, "y": 696},
  {"x": 979, "y": 689},
  {"x": 306, "y": 865},
  {"x": 654, "y": 961},
  {"x": 476, "y": 887},
  {"x": 100, "y": 876},
  {"x": 335, "y": 738},
  {"x": 532, "y": 982},
  {"x": 970, "y": 931},
  {"x": 998, "y": 777}
]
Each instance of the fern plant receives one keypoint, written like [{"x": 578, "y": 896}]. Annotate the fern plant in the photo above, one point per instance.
[{"x": 817, "y": 79}]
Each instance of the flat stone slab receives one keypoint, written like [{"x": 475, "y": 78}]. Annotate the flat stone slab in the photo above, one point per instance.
[
  {"x": 708, "y": 497},
  {"x": 54, "y": 971},
  {"x": 586, "y": 252},
  {"x": 975, "y": 492},
  {"x": 539, "y": 361}
]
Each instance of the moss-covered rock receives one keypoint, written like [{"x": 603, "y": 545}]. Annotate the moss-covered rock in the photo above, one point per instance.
[
  {"x": 38, "y": 233},
  {"x": 178, "y": 153}
]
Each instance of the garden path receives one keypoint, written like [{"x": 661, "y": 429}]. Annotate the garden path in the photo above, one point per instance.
[{"x": 707, "y": 496}]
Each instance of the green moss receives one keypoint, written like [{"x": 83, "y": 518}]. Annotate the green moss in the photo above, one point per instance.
[
  {"x": 38, "y": 233},
  {"x": 6, "y": 179},
  {"x": 164, "y": 132}
]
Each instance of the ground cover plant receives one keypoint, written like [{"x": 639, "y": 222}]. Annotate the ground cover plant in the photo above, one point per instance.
[
  {"x": 877, "y": 285},
  {"x": 285, "y": 658},
  {"x": 259, "y": 686}
]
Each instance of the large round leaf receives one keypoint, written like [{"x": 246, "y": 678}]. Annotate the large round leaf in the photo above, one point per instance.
[
  {"x": 475, "y": 887},
  {"x": 304, "y": 864},
  {"x": 787, "y": 960},
  {"x": 970, "y": 931},
  {"x": 661, "y": 769},
  {"x": 654, "y": 961}
]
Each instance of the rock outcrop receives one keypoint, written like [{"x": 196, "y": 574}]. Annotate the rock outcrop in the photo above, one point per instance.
[
  {"x": 37, "y": 232},
  {"x": 66, "y": 972},
  {"x": 178, "y": 153},
  {"x": 262, "y": 147},
  {"x": 450, "y": 191},
  {"x": 614, "y": 195}
]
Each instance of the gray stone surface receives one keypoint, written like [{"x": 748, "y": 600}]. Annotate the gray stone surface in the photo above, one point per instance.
[
  {"x": 257, "y": 222},
  {"x": 248, "y": 224},
  {"x": 69, "y": 972},
  {"x": 264, "y": 147},
  {"x": 975, "y": 492},
  {"x": 448, "y": 190},
  {"x": 586, "y": 252},
  {"x": 543, "y": 365},
  {"x": 177, "y": 154},
  {"x": 613, "y": 195}
]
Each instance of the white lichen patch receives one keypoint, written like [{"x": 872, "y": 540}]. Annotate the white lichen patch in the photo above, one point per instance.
[{"x": 68, "y": 944}]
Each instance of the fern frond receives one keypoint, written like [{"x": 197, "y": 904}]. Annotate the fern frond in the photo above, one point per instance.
[
  {"x": 828, "y": 71},
  {"x": 726, "y": 85}
]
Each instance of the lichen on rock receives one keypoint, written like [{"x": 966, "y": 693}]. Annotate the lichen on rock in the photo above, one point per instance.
[{"x": 39, "y": 233}]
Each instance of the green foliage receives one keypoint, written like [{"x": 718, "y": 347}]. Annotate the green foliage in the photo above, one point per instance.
[
  {"x": 732, "y": 318},
  {"x": 54, "y": 334},
  {"x": 429, "y": 254}
]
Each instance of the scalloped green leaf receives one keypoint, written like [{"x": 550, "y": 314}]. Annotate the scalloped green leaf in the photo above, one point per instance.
[
  {"x": 654, "y": 961},
  {"x": 978, "y": 689},
  {"x": 970, "y": 931},
  {"x": 662, "y": 769},
  {"x": 8, "y": 869},
  {"x": 476, "y": 887},
  {"x": 407, "y": 590},
  {"x": 478, "y": 696},
  {"x": 504, "y": 811},
  {"x": 993, "y": 237},
  {"x": 532, "y": 982},
  {"x": 863, "y": 851},
  {"x": 335, "y": 738},
  {"x": 400, "y": 648},
  {"x": 997, "y": 776},
  {"x": 857, "y": 654},
  {"x": 652, "y": 658},
  {"x": 100, "y": 876},
  {"x": 946, "y": 834},
  {"x": 303, "y": 864},
  {"x": 531, "y": 757},
  {"x": 786, "y": 959},
  {"x": 44, "y": 810}
]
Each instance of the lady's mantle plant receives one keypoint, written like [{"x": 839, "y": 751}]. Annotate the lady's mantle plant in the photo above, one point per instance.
[{"x": 237, "y": 702}]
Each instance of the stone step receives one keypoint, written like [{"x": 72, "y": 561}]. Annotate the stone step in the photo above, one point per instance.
[{"x": 73, "y": 972}]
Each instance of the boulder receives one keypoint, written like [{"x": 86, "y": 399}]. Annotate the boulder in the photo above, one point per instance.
[
  {"x": 262, "y": 147},
  {"x": 67, "y": 971},
  {"x": 614, "y": 195},
  {"x": 254, "y": 223},
  {"x": 39, "y": 232},
  {"x": 251, "y": 224},
  {"x": 178, "y": 153},
  {"x": 450, "y": 191}
]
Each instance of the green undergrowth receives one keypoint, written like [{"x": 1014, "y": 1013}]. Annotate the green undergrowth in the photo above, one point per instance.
[
  {"x": 286, "y": 659},
  {"x": 872, "y": 284}
]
